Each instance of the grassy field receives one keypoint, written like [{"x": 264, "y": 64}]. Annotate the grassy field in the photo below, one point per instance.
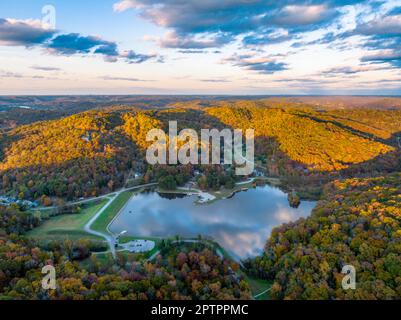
[
  {"x": 69, "y": 226},
  {"x": 258, "y": 286},
  {"x": 113, "y": 209}
]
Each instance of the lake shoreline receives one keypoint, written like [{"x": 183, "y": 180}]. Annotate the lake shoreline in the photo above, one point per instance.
[
  {"x": 210, "y": 196},
  {"x": 240, "y": 225}
]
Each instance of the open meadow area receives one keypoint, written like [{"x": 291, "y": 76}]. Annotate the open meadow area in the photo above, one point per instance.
[{"x": 67, "y": 226}]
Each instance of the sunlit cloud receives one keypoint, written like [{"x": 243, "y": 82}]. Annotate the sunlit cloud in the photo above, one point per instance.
[
  {"x": 110, "y": 78},
  {"x": 27, "y": 33},
  {"x": 172, "y": 40},
  {"x": 34, "y": 33},
  {"x": 265, "y": 65},
  {"x": 44, "y": 68},
  {"x": 289, "y": 46}
]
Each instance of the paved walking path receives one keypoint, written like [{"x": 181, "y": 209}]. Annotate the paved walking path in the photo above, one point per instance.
[
  {"x": 262, "y": 293},
  {"x": 104, "y": 196},
  {"x": 110, "y": 239}
]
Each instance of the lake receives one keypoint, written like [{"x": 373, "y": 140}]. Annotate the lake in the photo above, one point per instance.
[{"x": 241, "y": 224}]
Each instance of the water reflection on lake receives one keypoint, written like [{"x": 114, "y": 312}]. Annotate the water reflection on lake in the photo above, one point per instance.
[{"x": 240, "y": 224}]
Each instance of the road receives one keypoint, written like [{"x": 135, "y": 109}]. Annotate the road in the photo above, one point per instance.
[
  {"x": 104, "y": 196},
  {"x": 109, "y": 238},
  {"x": 246, "y": 182},
  {"x": 111, "y": 197},
  {"x": 262, "y": 293},
  {"x": 113, "y": 193}
]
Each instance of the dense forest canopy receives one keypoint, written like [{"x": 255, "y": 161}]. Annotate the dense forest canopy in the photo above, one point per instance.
[
  {"x": 307, "y": 137},
  {"x": 90, "y": 153},
  {"x": 351, "y": 153},
  {"x": 181, "y": 272},
  {"x": 357, "y": 223}
]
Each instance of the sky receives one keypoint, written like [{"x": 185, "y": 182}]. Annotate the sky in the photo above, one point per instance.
[{"x": 230, "y": 47}]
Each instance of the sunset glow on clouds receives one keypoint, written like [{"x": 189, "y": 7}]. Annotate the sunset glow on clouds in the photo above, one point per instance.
[{"x": 205, "y": 47}]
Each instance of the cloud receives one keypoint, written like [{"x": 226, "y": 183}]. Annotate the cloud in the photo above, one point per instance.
[
  {"x": 228, "y": 19},
  {"x": 109, "y": 49},
  {"x": 9, "y": 74},
  {"x": 307, "y": 83},
  {"x": 186, "y": 51},
  {"x": 33, "y": 33},
  {"x": 298, "y": 80},
  {"x": 274, "y": 37},
  {"x": 73, "y": 43},
  {"x": 395, "y": 11},
  {"x": 110, "y": 78},
  {"x": 381, "y": 34},
  {"x": 391, "y": 57},
  {"x": 265, "y": 65},
  {"x": 303, "y": 15},
  {"x": 124, "y": 5},
  {"x": 387, "y": 26},
  {"x": 215, "y": 80},
  {"x": 133, "y": 57},
  {"x": 173, "y": 40},
  {"x": 350, "y": 70},
  {"x": 40, "y": 68},
  {"x": 327, "y": 38},
  {"x": 27, "y": 33}
]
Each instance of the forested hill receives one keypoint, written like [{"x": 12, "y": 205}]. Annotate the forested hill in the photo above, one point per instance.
[
  {"x": 358, "y": 223},
  {"x": 81, "y": 155},
  {"x": 323, "y": 141},
  {"x": 91, "y": 153}
]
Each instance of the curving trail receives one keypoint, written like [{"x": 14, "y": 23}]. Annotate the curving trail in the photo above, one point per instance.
[
  {"x": 104, "y": 196},
  {"x": 262, "y": 293},
  {"x": 110, "y": 239}
]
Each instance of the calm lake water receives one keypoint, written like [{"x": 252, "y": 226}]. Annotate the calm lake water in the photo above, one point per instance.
[{"x": 240, "y": 224}]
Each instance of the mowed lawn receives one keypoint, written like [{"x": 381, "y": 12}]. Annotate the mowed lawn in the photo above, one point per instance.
[
  {"x": 112, "y": 210},
  {"x": 69, "y": 226},
  {"x": 258, "y": 286}
]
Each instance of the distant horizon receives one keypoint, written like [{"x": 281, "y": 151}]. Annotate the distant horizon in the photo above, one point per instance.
[{"x": 203, "y": 95}]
